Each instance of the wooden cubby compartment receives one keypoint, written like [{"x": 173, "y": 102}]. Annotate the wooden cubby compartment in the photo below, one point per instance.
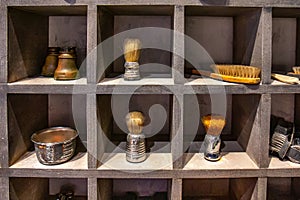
[
  {"x": 28, "y": 113},
  {"x": 34, "y": 28},
  {"x": 45, "y": 188},
  {"x": 237, "y": 136},
  {"x": 117, "y": 189},
  {"x": 112, "y": 110},
  {"x": 283, "y": 188},
  {"x": 219, "y": 189},
  {"x": 225, "y": 36},
  {"x": 156, "y": 53},
  {"x": 285, "y": 39},
  {"x": 285, "y": 106}
]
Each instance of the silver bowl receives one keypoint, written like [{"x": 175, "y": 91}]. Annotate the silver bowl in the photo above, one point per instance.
[{"x": 54, "y": 145}]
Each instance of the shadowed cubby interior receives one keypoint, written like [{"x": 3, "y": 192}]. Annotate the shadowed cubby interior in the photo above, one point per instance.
[
  {"x": 31, "y": 29},
  {"x": 112, "y": 110},
  {"x": 28, "y": 113},
  {"x": 119, "y": 189},
  {"x": 225, "y": 35},
  {"x": 156, "y": 56},
  {"x": 241, "y": 120},
  {"x": 46, "y": 188},
  {"x": 219, "y": 189},
  {"x": 285, "y": 39},
  {"x": 284, "y": 106},
  {"x": 283, "y": 188}
]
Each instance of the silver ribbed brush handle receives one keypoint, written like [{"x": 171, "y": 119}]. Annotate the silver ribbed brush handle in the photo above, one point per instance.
[{"x": 135, "y": 148}]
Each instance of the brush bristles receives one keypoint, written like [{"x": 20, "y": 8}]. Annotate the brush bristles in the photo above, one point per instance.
[
  {"x": 296, "y": 70},
  {"x": 132, "y": 50},
  {"x": 213, "y": 124},
  {"x": 135, "y": 122},
  {"x": 237, "y": 71}
]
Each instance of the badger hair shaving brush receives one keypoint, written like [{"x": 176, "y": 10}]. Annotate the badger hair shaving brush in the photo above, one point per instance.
[
  {"x": 135, "y": 145},
  {"x": 132, "y": 50},
  {"x": 213, "y": 125}
]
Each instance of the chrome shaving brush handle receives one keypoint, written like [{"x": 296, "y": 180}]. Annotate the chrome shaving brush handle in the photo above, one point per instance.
[
  {"x": 135, "y": 148},
  {"x": 212, "y": 146},
  {"x": 132, "y": 71}
]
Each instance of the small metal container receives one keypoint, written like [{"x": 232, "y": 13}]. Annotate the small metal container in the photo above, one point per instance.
[
  {"x": 54, "y": 145},
  {"x": 135, "y": 148},
  {"x": 66, "y": 69},
  {"x": 51, "y": 62}
]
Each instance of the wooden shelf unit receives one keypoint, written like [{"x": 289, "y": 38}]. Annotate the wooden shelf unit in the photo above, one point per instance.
[{"x": 243, "y": 30}]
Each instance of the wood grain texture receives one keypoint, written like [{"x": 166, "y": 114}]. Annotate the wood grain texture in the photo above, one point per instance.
[
  {"x": 178, "y": 44},
  {"x": 3, "y": 42}
]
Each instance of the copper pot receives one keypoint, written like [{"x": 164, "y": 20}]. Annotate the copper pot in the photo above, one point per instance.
[
  {"x": 51, "y": 62},
  {"x": 66, "y": 69}
]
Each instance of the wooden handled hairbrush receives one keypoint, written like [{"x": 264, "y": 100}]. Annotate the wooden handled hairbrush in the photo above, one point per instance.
[{"x": 233, "y": 73}]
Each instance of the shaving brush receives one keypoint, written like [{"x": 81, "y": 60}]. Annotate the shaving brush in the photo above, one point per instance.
[
  {"x": 213, "y": 125},
  {"x": 135, "y": 145},
  {"x": 132, "y": 51}
]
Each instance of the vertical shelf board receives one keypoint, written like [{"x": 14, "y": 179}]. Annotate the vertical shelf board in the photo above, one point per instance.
[
  {"x": 116, "y": 23},
  {"x": 3, "y": 43},
  {"x": 4, "y": 188},
  {"x": 178, "y": 44},
  {"x": 4, "y": 158},
  {"x": 92, "y": 136},
  {"x": 239, "y": 43},
  {"x": 26, "y": 115},
  {"x": 177, "y": 131},
  {"x": 20, "y": 188},
  {"x": 91, "y": 62},
  {"x": 264, "y": 134},
  {"x": 176, "y": 189},
  {"x": 104, "y": 189},
  {"x": 266, "y": 26},
  {"x": 92, "y": 187},
  {"x": 24, "y": 56}
]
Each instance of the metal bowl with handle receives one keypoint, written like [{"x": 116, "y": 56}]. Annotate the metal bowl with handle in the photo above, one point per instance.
[{"x": 54, "y": 145}]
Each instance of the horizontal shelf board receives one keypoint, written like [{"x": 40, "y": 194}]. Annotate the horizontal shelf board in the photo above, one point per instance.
[
  {"x": 48, "y": 81},
  {"x": 48, "y": 85},
  {"x": 276, "y": 163},
  {"x": 53, "y": 10},
  {"x": 207, "y": 85},
  {"x": 30, "y": 161},
  {"x": 229, "y": 161},
  {"x": 279, "y": 87},
  {"x": 143, "y": 86},
  {"x": 143, "y": 81},
  {"x": 154, "y": 161}
]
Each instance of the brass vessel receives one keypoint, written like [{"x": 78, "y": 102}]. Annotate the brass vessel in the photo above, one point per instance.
[
  {"x": 67, "y": 69},
  {"x": 51, "y": 62}
]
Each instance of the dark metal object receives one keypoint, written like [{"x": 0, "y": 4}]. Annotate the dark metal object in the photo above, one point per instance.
[
  {"x": 54, "y": 145},
  {"x": 65, "y": 196},
  {"x": 67, "y": 69},
  {"x": 51, "y": 62}
]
